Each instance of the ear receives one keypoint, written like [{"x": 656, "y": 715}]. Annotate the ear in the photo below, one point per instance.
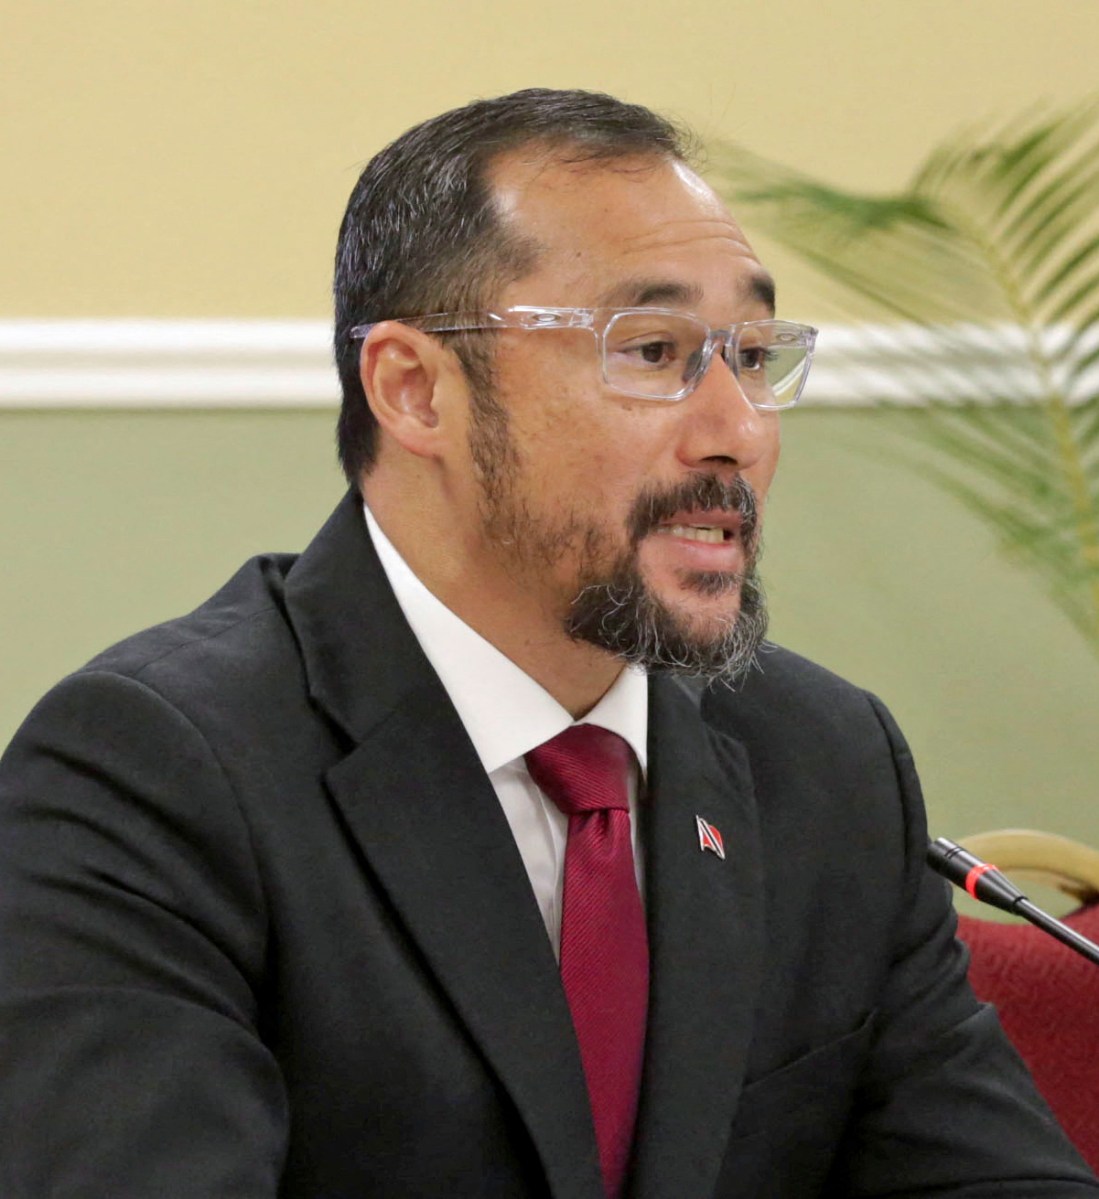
[{"x": 404, "y": 375}]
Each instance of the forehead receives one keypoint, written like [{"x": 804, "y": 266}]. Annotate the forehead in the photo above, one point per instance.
[{"x": 638, "y": 230}]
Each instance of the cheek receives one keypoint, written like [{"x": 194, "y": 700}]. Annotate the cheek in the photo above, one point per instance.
[
  {"x": 761, "y": 473},
  {"x": 585, "y": 486},
  {"x": 593, "y": 465},
  {"x": 610, "y": 476},
  {"x": 584, "y": 451}
]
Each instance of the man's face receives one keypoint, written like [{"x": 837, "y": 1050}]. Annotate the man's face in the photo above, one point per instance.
[{"x": 631, "y": 523}]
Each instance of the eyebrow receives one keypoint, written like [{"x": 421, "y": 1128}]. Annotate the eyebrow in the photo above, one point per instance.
[
  {"x": 637, "y": 293},
  {"x": 761, "y": 287}
]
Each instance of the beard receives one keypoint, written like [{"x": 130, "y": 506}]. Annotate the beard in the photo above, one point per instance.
[
  {"x": 614, "y": 608},
  {"x": 619, "y": 612}
]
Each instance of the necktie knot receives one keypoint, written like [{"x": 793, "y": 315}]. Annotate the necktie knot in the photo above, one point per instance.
[{"x": 583, "y": 769}]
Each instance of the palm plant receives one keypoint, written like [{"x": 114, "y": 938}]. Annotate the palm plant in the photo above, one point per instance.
[{"x": 989, "y": 261}]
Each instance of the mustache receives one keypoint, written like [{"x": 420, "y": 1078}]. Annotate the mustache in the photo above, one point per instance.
[{"x": 657, "y": 505}]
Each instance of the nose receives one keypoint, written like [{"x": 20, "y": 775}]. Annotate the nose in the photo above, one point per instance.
[{"x": 721, "y": 427}]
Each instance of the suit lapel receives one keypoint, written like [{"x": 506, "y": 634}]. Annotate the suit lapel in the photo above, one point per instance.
[
  {"x": 706, "y": 943},
  {"x": 415, "y": 798}
]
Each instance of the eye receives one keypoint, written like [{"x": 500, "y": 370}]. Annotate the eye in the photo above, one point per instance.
[
  {"x": 754, "y": 359},
  {"x": 654, "y": 352},
  {"x": 649, "y": 350}
]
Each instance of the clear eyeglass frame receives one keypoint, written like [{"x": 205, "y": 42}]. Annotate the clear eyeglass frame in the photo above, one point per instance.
[{"x": 801, "y": 339}]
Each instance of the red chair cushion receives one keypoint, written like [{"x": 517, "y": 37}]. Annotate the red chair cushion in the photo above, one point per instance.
[{"x": 1048, "y": 999}]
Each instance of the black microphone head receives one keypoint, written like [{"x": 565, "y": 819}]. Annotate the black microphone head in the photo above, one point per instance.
[
  {"x": 980, "y": 879},
  {"x": 940, "y": 851}
]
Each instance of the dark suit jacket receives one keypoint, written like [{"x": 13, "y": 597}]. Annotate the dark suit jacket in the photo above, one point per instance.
[{"x": 265, "y": 931}]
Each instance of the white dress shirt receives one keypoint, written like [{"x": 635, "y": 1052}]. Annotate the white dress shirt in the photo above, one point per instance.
[{"x": 506, "y": 714}]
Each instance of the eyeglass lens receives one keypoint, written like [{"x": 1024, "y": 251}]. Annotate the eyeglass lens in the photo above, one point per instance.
[{"x": 658, "y": 354}]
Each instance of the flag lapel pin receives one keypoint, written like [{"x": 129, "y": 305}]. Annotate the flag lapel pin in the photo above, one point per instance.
[{"x": 710, "y": 838}]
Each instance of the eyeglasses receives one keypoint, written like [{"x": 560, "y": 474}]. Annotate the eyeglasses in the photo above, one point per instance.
[{"x": 659, "y": 353}]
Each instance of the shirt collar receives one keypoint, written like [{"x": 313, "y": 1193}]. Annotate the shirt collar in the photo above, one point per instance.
[{"x": 504, "y": 711}]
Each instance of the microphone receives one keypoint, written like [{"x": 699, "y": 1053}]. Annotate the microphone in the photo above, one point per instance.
[{"x": 985, "y": 882}]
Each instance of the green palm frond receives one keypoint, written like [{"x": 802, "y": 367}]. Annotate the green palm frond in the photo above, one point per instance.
[{"x": 993, "y": 252}]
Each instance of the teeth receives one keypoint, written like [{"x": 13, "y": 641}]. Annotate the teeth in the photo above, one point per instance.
[{"x": 695, "y": 532}]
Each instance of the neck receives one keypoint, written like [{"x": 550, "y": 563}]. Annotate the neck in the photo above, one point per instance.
[{"x": 495, "y": 605}]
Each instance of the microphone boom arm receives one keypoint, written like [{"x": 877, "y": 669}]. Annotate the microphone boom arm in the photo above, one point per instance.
[{"x": 986, "y": 883}]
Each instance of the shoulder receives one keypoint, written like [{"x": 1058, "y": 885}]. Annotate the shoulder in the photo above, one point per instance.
[
  {"x": 785, "y": 690},
  {"x": 240, "y": 632},
  {"x": 804, "y": 726},
  {"x": 200, "y": 674},
  {"x": 221, "y": 624}
]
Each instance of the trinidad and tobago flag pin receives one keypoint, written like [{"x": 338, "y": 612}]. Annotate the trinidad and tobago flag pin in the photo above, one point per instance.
[{"x": 710, "y": 838}]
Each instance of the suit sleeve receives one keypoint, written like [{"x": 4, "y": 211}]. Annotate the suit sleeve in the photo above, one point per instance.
[
  {"x": 946, "y": 1107},
  {"x": 132, "y": 939}
]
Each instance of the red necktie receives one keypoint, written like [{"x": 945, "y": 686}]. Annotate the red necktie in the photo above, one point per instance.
[{"x": 604, "y": 949}]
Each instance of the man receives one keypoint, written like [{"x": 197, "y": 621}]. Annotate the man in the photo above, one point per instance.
[{"x": 383, "y": 874}]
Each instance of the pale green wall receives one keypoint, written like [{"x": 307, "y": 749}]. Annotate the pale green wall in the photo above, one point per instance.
[{"x": 116, "y": 520}]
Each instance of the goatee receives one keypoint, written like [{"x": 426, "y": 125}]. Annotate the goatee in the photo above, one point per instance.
[{"x": 619, "y": 612}]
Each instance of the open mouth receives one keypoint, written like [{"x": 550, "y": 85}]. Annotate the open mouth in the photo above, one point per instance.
[
  {"x": 708, "y": 526},
  {"x": 701, "y": 515}
]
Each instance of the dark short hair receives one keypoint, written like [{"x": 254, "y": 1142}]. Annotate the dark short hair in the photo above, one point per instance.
[{"x": 422, "y": 234}]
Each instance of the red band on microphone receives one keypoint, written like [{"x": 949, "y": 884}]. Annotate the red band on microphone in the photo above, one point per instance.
[{"x": 973, "y": 877}]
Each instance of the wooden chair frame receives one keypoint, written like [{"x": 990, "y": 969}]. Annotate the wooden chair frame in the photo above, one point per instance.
[{"x": 1048, "y": 858}]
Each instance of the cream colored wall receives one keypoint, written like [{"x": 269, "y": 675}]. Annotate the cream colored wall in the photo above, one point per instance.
[{"x": 193, "y": 159}]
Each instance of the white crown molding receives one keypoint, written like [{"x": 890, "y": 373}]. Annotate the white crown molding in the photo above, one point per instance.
[
  {"x": 265, "y": 364},
  {"x": 166, "y": 364}
]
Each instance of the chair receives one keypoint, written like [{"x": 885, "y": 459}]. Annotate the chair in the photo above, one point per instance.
[{"x": 1047, "y": 996}]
